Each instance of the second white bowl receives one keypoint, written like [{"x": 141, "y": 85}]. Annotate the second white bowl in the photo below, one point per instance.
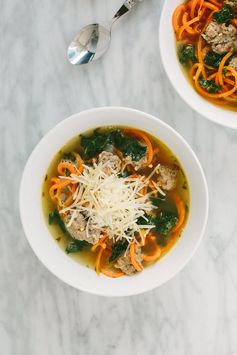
[{"x": 177, "y": 78}]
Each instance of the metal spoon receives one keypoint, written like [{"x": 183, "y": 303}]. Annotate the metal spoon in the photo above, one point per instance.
[{"x": 94, "y": 40}]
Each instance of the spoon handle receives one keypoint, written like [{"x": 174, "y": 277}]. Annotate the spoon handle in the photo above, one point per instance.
[{"x": 125, "y": 8}]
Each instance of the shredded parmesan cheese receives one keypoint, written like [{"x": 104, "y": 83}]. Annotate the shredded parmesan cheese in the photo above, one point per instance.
[{"x": 110, "y": 203}]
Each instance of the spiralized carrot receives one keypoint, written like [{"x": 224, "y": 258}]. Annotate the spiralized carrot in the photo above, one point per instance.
[
  {"x": 142, "y": 135},
  {"x": 63, "y": 165},
  {"x": 100, "y": 267},
  {"x": 221, "y": 95},
  {"x": 138, "y": 267},
  {"x": 157, "y": 250},
  {"x": 58, "y": 187},
  {"x": 219, "y": 77},
  {"x": 177, "y": 16},
  {"x": 79, "y": 161},
  {"x": 187, "y": 24},
  {"x": 112, "y": 274},
  {"x": 234, "y": 21},
  {"x": 100, "y": 243},
  {"x": 210, "y": 6},
  {"x": 216, "y": 3},
  {"x": 185, "y": 20},
  {"x": 69, "y": 199},
  {"x": 98, "y": 259},
  {"x": 193, "y": 6},
  {"x": 181, "y": 213}
]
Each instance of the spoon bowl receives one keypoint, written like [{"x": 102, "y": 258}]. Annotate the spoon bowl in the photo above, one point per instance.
[{"x": 89, "y": 44}]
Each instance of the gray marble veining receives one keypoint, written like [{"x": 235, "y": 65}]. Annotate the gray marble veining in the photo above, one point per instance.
[{"x": 196, "y": 312}]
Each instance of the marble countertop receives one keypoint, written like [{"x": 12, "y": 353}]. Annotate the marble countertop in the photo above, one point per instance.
[{"x": 193, "y": 314}]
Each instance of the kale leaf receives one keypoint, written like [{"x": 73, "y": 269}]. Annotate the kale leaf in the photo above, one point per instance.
[
  {"x": 163, "y": 224},
  {"x": 133, "y": 149},
  {"x": 98, "y": 142},
  {"x": 187, "y": 53},
  {"x": 146, "y": 220},
  {"x": 166, "y": 223},
  {"x": 213, "y": 59},
  {"x": 76, "y": 245},
  {"x": 158, "y": 201},
  {"x": 54, "y": 218},
  {"x": 95, "y": 144},
  {"x": 224, "y": 15},
  {"x": 209, "y": 85},
  {"x": 117, "y": 250},
  {"x": 69, "y": 156},
  {"x": 128, "y": 145},
  {"x": 224, "y": 72}
]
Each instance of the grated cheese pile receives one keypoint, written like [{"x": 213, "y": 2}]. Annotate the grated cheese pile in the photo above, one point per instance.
[{"x": 110, "y": 203}]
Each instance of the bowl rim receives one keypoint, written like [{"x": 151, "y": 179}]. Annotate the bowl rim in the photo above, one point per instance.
[
  {"x": 200, "y": 105},
  {"x": 124, "y": 292}
]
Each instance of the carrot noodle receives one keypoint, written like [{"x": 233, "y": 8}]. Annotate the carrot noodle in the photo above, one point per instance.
[
  {"x": 57, "y": 187},
  {"x": 157, "y": 250},
  {"x": 79, "y": 161},
  {"x": 193, "y": 7},
  {"x": 187, "y": 26},
  {"x": 181, "y": 213},
  {"x": 233, "y": 21},
  {"x": 177, "y": 15},
  {"x": 98, "y": 258},
  {"x": 138, "y": 267},
  {"x": 223, "y": 94},
  {"x": 63, "y": 165},
  {"x": 214, "y": 2},
  {"x": 100, "y": 243},
  {"x": 185, "y": 21},
  {"x": 190, "y": 21},
  {"x": 221, "y": 67},
  {"x": 210, "y": 6},
  {"x": 69, "y": 199},
  {"x": 112, "y": 274}
]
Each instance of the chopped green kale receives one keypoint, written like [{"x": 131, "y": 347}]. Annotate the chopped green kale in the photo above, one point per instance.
[
  {"x": 54, "y": 218},
  {"x": 187, "y": 53},
  {"x": 76, "y": 245},
  {"x": 98, "y": 142},
  {"x": 69, "y": 156},
  {"x": 163, "y": 224},
  {"x": 224, "y": 72},
  {"x": 158, "y": 201},
  {"x": 213, "y": 59},
  {"x": 224, "y": 15},
  {"x": 166, "y": 223},
  {"x": 210, "y": 85}
]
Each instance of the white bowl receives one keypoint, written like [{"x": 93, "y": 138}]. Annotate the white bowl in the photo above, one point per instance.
[
  {"x": 177, "y": 78},
  {"x": 61, "y": 264}
]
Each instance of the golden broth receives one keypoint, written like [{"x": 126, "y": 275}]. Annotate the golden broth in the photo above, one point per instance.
[{"x": 87, "y": 257}]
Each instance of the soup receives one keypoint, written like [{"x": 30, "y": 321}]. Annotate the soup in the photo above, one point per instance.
[
  {"x": 206, "y": 34},
  {"x": 115, "y": 199}
]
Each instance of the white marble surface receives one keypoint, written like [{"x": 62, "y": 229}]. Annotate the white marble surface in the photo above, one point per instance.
[{"x": 196, "y": 312}]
